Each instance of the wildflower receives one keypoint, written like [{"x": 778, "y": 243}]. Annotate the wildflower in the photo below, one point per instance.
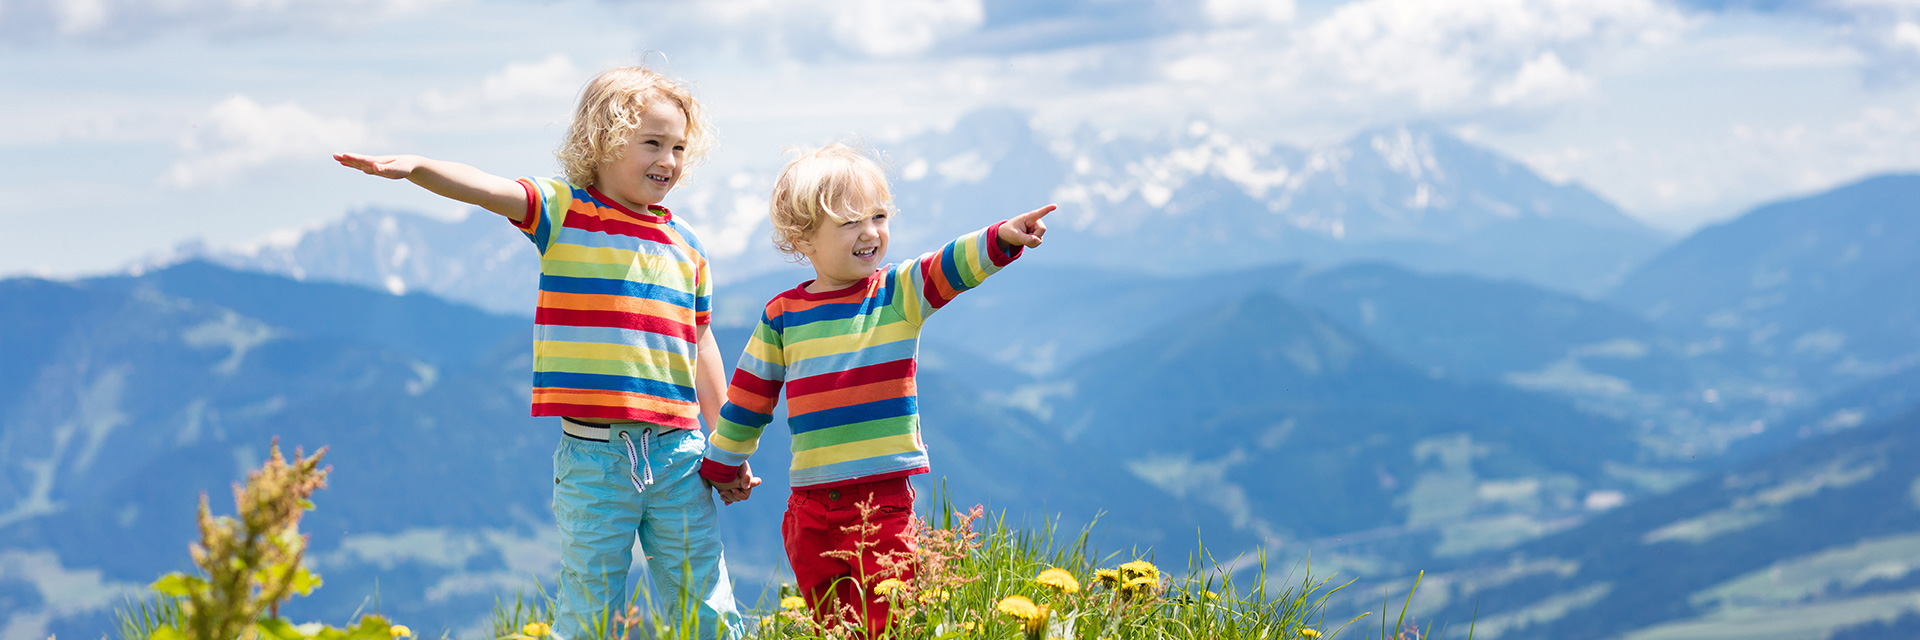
[
  {"x": 1107, "y": 577},
  {"x": 793, "y": 603},
  {"x": 1138, "y": 569},
  {"x": 888, "y": 586},
  {"x": 1059, "y": 579},
  {"x": 1033, "y": 617},
  {"x": 1213, "y": 596},
  {"x": 536, "y": 630},
  {"x": 399, "y": 630},
  {"x": 1141, "y": 585},
  {"x": 1309, "y": 633},
  {"x": 1019, "y": 607},
  {"x": 935, "y": 595}
]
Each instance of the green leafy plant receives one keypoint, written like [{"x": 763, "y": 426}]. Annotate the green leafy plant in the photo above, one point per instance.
[{"x": 249, "y": 564}]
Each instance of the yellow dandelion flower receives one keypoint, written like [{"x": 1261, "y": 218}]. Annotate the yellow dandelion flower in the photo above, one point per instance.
[
  {"x": 1033, "y": 617},
  {"x": 537, "y": 630},
  {"x": 935, "y": 595},
  {"x": 967, "y": 626},
  {"x": 1019, "y": 607},
  {"x": 888, "y": 586},
  {"x": 1309, "y": 633},
  {"x": 1107, "y": 577},
  {"x": 1213, "y": 596},
  {"x": 399, "y": 630},
  {"x": 1142, "y": 584},
  {"x": 793, "y": 603},
  {"x": 1059, "y": 579},
  {"x": 1139, "y": 568}
]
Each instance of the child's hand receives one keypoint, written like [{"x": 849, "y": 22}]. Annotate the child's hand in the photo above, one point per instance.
[
  {"x": 1026, "y": 229},
  {"x": 741, "y": 488},
  {"x": 395, "y": 167}
]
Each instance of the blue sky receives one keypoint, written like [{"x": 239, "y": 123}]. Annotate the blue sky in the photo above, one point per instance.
[{"x": 130, "y": 126}]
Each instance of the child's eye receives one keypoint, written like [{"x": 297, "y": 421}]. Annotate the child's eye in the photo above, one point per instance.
[{"x": 654, "y": 143}]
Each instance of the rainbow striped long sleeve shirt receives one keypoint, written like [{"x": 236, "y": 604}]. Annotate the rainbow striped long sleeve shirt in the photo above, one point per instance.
[
  {"x": 622, "y": 294},
  {"x": 846, "y": 360}
]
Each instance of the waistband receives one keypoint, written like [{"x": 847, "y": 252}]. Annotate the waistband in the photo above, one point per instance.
[
  {"x": 607, "y": 432},
  {"x": 851, "y": 493}
]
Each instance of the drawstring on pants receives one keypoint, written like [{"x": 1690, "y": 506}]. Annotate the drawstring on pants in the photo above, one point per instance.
[{"x": 634, "y": 461}]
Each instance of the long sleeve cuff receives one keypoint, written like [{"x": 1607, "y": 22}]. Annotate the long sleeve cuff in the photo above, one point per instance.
[
  {"x": 718, "y": 472},
  {"x": 999, "y": 252}
]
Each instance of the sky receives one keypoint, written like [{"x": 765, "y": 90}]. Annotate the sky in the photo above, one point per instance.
[{"x": 131, "y": 126}]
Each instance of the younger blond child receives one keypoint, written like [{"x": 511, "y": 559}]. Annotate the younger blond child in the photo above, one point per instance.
[
  {"x": 844, "y": 345},
  {"x": 622, "y": 352}
]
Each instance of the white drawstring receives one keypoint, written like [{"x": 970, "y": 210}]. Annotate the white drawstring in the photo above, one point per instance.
[{"x": 633, "y": 462}]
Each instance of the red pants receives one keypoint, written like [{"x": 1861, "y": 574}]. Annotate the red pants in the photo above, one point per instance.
[{"x": 818, "y": 521}]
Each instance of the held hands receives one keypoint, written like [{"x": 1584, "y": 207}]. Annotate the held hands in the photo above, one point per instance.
[
  {"x": 1026, "y": 229},
  {"x": 741, "y": 488},
  {"x": 395, "y": 167}
]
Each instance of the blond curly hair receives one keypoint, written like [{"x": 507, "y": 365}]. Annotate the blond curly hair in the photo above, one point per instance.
[
  {"x": 609, "y": 111},
  {"x": 819, "y": 186}
]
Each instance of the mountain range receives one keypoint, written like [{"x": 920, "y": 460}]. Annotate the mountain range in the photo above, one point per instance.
[{"x": 1195, "y": 202}]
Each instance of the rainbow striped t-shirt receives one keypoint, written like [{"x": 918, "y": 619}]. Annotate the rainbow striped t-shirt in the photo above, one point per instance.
[
  {"x": 621, "y": 295},
  {"x": 846, "y": 359}
]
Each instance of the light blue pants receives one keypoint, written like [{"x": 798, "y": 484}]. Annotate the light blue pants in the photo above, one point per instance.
[{"x": 603, "y": 495}]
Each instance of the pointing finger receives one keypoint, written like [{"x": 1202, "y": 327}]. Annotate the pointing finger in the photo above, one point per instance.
[{"x": 1036, "y": 214}]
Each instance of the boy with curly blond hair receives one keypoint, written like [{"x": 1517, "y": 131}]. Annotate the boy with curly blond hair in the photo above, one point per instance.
[
  {"x": 622, "y": 350},
  {"x": 844, "y": 347}
]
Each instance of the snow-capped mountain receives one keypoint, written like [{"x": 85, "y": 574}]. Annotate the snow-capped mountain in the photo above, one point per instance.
[
  {"x": 1198, "y": 201},
  {"x": 479, "y": 259},
  {"x": 1207, "y": 199}
]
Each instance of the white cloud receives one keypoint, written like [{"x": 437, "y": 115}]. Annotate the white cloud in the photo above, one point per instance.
[
  {"x": 787, "y": 30},
  {"x": 1234, "y": 12},
  {"x": 518, "y": 94},
  {"x": 116, "y": 20},
  {"x": 900, "y": 27},
  {"x": 1906, "y": 35},
  {"x": 554, "y": 77},
  {"x": 1542, "y": 80},
  {"x": 1447, "y": 55},
  {"x": 1697, "y": 178},
  {"x": 79, "y": 16},
  {"x": 240, "y": 134}
]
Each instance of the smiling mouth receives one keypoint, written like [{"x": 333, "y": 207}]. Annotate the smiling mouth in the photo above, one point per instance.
[
  {"x": 866, "y": 253},
  {"x": 658, "y": 178}
]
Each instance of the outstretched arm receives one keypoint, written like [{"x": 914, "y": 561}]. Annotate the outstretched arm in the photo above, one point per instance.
[
  {"x": 448, "y": 179},
  {"x": 927, "y": 283}
]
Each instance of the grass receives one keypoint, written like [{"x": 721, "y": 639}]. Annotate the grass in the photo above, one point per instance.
[
  {"x": 1009, "y": 583},
  {"x": 959, "y": 581}
]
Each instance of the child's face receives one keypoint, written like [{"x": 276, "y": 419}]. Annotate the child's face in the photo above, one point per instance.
[
  {"x": 649, "y": 165},
  {"x": 844, "y": 253}
]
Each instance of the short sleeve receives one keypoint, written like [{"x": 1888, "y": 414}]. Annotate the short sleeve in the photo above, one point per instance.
[
  {"x": 547, "y": 203},
  {"x": 703, "y": 292}
]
